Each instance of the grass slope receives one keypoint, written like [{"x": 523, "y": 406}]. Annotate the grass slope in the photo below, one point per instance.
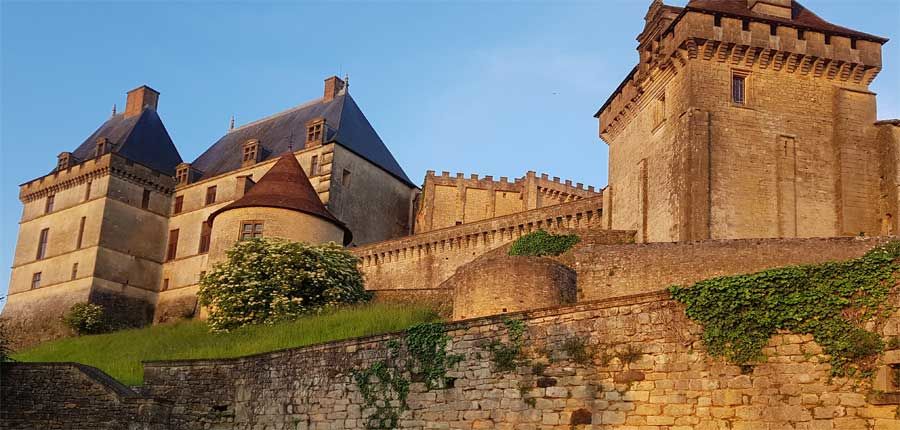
[{"x": 120, "y": 354}]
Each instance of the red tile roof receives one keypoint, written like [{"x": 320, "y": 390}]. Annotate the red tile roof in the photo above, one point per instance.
[{"x": 285, "y": 186}]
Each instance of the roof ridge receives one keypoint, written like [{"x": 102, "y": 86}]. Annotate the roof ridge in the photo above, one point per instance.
[{"x": 278, "y": 114}]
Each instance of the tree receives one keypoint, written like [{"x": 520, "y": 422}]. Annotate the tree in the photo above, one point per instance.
[{"x": 267, "y": 280}]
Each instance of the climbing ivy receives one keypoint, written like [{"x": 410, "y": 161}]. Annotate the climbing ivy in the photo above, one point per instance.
[
  {"x": 427, "y": 345},
  {"x": 507, "y": 355},
  {"x": 384, "y": 385},
  {"x": 830, "y": 301},
  {"x": 540, "y": 243},
  {"x": 384, "y": 389}
]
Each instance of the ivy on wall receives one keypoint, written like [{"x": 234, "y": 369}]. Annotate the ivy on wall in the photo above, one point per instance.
[
  {"x": 830, "y": 301},
  {"x": 384, "y": 385},
  {"x": 541, "y": 243},
  {"x": 506, "y": 356}
]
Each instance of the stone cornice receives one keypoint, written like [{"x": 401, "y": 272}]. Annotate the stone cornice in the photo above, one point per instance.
[
  {"x": 621, "y": 111},
  {"x": 762, "y": 45}
]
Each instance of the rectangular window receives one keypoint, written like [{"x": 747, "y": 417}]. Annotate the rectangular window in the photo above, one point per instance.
[
  {"x": 801, "y": 35},
  {"x": 179, "y": 204},
  {"x": 172, "y": 248},
  {"x": 36, "y": 280},
  {"x": 42, "y": 244},
  {"x": 204, "y": 237},
  {"x": 314, "y": 166},
  {"x": 48, "y": 206},
  {"x": 745, "y": 25},
  {"x": 87, "y": 191},
  {"x": 101, "y": 147},
  {"x": 251, "y": 149},
  {"x": 145, "y": 200},
  {"x": 739, "y": 89},
  {"x": 251, "y": 230},
  {"x": 74, "y": 271},
  {"x": 211, "y": 195},
  {"x": 80, "y": 233},
  {"x": 165, "y": 285},
  {"x": 345, "y": 178},
  {"x": 314, "y": 133},
  {"x": 181, "y": 176}
]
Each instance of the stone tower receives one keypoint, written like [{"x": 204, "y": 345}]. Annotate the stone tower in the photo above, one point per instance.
[
  {"x": 748, "y": 119},
  {"x": 91, "y": 229},
  {"x": 283, "y": 204}
]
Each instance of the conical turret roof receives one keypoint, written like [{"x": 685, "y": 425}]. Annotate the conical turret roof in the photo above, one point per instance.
[{"x": 285, "y": 186}]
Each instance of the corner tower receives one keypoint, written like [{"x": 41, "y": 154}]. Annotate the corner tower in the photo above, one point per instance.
[
  {"x": 746, "y": 119},
  {"x": 91, "y": 228},
  {"x": 283, "y": 204}
]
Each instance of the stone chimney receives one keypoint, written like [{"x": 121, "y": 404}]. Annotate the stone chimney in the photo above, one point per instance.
[
  {"x": 779, "y": 8},
  {"x": 333, "y": 87},
  {"x": 139, "y": 98}
]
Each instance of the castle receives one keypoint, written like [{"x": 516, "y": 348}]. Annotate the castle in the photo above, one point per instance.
[
  {"x": 745, "y": 139},
  {"x": 744, "y": 119}
]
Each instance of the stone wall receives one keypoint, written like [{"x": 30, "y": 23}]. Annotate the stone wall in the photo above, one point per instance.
[
  {"x": 447, "y": 200},
  {"x": 606, "y": 271},
  {"x": 426, "y": 260},
  {"x": 797, "y": 157},
  {"x": 73, "y": 396},
  {"x": 644, "y": 369},
  {"x": 497, "y": 284}
]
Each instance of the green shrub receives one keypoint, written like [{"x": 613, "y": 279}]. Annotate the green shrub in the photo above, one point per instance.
[
  {"x": 87, "y": 318},
  {"x": 577, "y": 350},
  {"x": 267, "y": 280},
  {"x": 541, "y": 243},
  {"x": 831, "y": 301}
]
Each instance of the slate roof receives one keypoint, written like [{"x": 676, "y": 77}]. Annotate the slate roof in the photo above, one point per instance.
[
  {"x": 140, "y": 138},
  {"x": 286, "y": 131},
  {"x": 800, "y": 17},
  {"x": 285, "y": 186}
]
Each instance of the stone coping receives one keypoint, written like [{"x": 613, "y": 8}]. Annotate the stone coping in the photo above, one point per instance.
[{"x": 657, "y": 296}]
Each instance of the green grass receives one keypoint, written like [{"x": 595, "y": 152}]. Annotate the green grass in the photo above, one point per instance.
[{"x": 120, "y": 354}]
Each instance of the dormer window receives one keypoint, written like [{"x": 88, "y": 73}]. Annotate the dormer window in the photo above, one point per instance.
[
  {"x": 64, "y": 160},
  {"x": 315, "y": 132},
  {"x": 182, "y": 173},
  {"x": 103, "y": 146},
  {"x": 250, "y": 152}
]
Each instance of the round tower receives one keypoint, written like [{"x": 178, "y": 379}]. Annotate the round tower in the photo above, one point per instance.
[{"x": 282, "y": 204}]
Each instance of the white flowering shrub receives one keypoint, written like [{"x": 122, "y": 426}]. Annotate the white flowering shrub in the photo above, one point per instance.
[
  {"x": 87, "y": 318},
  {"x": 268, "y": 280}
]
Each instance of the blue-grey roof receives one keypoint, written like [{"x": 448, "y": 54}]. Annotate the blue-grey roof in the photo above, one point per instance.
[
  {"x": 140, "y": 138},
  {"x": 279, "y": 133}
]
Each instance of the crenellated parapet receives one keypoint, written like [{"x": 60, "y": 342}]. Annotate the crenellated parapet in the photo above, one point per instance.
[
  {"x": 473, "y": 181},
  {"x": 799, "y": 46},
  {"x": 425, "y": 260}
]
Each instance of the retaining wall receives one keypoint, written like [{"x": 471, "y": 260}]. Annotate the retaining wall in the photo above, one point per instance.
[{"x": 669, "y": 383}]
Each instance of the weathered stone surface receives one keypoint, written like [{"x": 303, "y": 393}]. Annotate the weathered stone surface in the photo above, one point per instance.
[{"x": 681, "y": 388}]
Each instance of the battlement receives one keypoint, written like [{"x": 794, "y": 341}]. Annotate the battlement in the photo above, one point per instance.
[
  {"x": 425, "y": 260},
  {"x": 775, "y": 44},
  {"x": 473, "y": 181}
]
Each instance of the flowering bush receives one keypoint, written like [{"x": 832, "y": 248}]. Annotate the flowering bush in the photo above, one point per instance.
[
  {"x": 268, "y": 280},
  {"x": 87, "y": 318}
]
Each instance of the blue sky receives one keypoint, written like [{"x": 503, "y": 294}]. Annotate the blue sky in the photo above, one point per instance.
[{"x": 495, "y": 88}]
